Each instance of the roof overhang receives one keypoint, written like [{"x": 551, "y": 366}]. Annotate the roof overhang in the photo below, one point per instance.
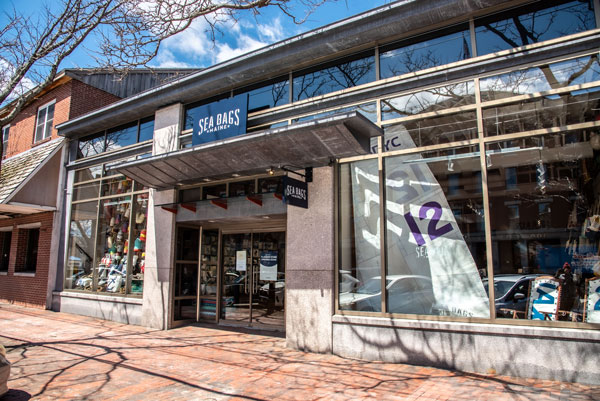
[
  {"x": 307, "y": 144},
  {"x": 8, "y": 210}
]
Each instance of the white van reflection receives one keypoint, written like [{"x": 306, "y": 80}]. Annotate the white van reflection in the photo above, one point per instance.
[{"x": 406, "y": 294}]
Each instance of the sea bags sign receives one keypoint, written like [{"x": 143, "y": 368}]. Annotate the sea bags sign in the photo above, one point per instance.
[
  {"x": 295, "y": 192},
  {"x": 220, "y": 120}
]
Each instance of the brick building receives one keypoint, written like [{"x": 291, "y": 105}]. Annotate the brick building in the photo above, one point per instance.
[{"x": 32, "y": 178}]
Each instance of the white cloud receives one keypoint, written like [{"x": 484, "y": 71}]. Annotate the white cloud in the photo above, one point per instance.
[{"x": 194, "y": 47}]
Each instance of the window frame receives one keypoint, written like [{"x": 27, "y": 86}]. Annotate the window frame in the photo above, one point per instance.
[
  {"x": 5, "y": 136},
  {"x": 45, "y": 133}
]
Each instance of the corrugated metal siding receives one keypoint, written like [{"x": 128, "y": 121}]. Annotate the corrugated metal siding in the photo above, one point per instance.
[{"x": 133, "y": 82}]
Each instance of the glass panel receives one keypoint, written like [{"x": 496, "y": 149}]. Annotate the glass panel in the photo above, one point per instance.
[
  {"x": 138, "y": 234},
  {"x": 270, "y": 185},
  {"x": 344, "y": 74},
  {"x": 115, "y": 186},
  {"x": 432, "y": 131},
  {"x": 49, "y": 121},
  {"x": 539, "y": 79},
  {"x": 185, "y": 309},
  {"x": 268, "y": 266},
  {"x": 112, "y": 245},
  {"x": 186, "y": 280},
  {"x": 237, "y": 289},
  {"x": 146, "y": 130},
  {"x": 208, "y": 270},
  {"x": 425, "y": 52},
  {"x": 545, "y": 225},
  {"x": 86, "y": 191},
  {"x": 41, "y": 122},
  {"x": 190, "y": 195},
  {"x": 121, "y": 136},
  {"x": 80, "y": 246},
  {"x": 241, "y": 188},
  {"x": 533, "y": 23},
  {"x": 89, "y": 173},
  {"x": 214, "y": 191},
  {"x": 360, "y": 254},
  {"x": 5, "y": 240},
  {"x": 368, "y": 110},
  {"x": 268, "y": 96},
  {"x": 430, "y": 100},
  {"x": 435, "y": 239},
  {"x": 188, "y": 243},
  {"x": 543, "y": 112},
  {"x": 91, "y": 145}
]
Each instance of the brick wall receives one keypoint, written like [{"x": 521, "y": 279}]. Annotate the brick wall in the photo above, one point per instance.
[
  {"x": 73, "y": 99},
  {"x": 27, "y": 289},
  {"x": 85, "y": 98}
]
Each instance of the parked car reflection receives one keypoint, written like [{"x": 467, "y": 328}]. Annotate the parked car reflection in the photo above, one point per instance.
[
  {"x": 406, "y": 294},
  {"x": 511, "y": 292}
]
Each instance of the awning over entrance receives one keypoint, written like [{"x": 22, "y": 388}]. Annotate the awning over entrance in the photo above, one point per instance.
[{"x": 307, "y": 144}]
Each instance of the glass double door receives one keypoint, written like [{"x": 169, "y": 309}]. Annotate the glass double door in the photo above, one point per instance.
[
  {"x": 234, "y": 278},
  {"x": 253, "y": 279}
]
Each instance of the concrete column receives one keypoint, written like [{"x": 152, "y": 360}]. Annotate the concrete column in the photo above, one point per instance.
[
  {"x": 160, "y": 232},
  {"x": 310, "y": 267}
]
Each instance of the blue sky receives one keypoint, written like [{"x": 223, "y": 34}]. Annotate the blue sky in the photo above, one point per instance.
[{"x": 194, "y": 47}]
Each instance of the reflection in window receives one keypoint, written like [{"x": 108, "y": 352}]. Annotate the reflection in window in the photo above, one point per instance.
[
  {"x": 425, "y": 52},
  {"x": 368, "y": 110},
  {"x": 267, "y": 96},
  {"x": 543, "y": 78},
  {"x": 443, "y": 129},
  {"x": 146, "y": 130},
  {"x": 360, "y": 266},
  {"x": 121, "y": 136},
  {"x": 433, "y": 259},
  {"x": 558, "y": 223},
  {"x": 80, "y": 247},
  {"x": 533, "y": 23},
  {"x": 343, "y": 75},
  {"x": 91, "y": 145},
  {"x": 435, "y": 99},
  {"x": 542, "y": 112}
]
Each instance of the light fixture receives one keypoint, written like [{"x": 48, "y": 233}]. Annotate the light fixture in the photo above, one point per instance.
[
  {"x": 206, "y": 179},
  {"x": 450, "y": 165},
  {"x": 235, "y": 175},
  {"x": 271, "y": 171}
]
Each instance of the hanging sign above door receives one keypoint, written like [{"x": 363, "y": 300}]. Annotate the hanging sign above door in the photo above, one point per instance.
[
  {"x": 295, "y": 192},
  {"x": 220, "y": 120}
]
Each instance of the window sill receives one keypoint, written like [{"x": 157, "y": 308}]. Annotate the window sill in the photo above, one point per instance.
[
  {"x": 3, "y": 273},
  {"x": 472, "y": 328},
  {"x": 41, "y": 142},
  {"x": 25, "y": 274},
  {"x": 126, "y": 299}
]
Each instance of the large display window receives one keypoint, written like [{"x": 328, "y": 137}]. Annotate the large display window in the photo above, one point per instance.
[
  {"x": 484, "y": 211},
  {"x": 107, "y": 233}
]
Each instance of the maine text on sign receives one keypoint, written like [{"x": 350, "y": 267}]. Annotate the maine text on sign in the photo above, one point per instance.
[
  {"x": 295, "y": 192},
  {"x": 220, "y": 120}
]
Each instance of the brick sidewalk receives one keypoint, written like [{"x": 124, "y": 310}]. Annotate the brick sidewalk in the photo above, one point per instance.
[{"x": 57, "y": 356}]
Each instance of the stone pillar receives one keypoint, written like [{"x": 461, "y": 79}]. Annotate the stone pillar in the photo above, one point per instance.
[
  {"x": 309, "y": 273},
  {"x": 160, "y": 232}
]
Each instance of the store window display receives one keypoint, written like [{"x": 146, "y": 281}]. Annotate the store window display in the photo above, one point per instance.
[{"x": 107, "y": 240}]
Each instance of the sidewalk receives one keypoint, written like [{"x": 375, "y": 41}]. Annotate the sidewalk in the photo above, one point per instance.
[{"x": 57, "y": 356}]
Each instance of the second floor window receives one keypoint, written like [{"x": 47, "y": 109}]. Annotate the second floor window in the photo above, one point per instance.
[{"x": 43, "y": 126}]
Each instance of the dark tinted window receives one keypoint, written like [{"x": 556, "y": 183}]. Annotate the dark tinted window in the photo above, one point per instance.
[
  {"x": 533, "y": 23},
  {"x": 333, "y": 77},
  {"x": 438, "y": 48}
]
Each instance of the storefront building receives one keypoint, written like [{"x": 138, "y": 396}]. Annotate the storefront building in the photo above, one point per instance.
[{"x": 359, "y": 187}]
